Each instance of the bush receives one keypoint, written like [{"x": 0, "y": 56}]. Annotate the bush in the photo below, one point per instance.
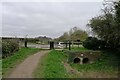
[
  {"x": 92, "y": 43},
  {"x": 8, "y": 47}
]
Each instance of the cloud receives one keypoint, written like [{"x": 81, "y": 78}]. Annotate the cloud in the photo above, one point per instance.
[
  {"x": 54, "y": 0},
  {"x": 46, "y": 18}
]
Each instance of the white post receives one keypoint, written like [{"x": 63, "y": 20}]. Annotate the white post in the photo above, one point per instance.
[{"x": 81, "y": 60}]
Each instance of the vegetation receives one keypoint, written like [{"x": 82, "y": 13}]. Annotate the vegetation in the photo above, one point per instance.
[
  {"x": 11, "y": 61},
  {"x": 51, "y": 66},
  {"x": 74, "y": 34},
  {"x": 79, "y": 49},
  {"x": 9, "y": 46},
  {"x": 40, "y": 39},
  {"x": 92, "y": 43},
  {"x": 0, "y": 68},
  {"x": 107, "y": 26},
  {"x": 107, "y": 64}
]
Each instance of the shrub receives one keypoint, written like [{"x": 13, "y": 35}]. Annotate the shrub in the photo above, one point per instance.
[
  {"x": 9, "y": 46},
  {"x": 92, "y": 43}
]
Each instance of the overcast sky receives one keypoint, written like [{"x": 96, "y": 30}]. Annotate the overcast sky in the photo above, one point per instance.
[{"x": 46, "y": 18}]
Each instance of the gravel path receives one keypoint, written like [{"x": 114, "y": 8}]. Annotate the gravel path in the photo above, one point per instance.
[{"x": 26, "y": 68}]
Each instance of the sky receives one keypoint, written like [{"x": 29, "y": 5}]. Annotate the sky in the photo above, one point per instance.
[{"x": 48, "y": 18}]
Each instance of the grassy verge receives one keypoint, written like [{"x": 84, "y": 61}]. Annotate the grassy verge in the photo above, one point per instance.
[
  {"x": 10, "y": 62},
  {"x": 51, "y": 66},
  {"x": 0, "y": 69}
]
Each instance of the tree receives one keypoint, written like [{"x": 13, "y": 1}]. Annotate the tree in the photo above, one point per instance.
[
  {"x": 64, "y": 37},
  {"x": 73, "y": 34},
  {"x": 91, "y": 43},
  {"x": 117, "y": 19},
  {"x": 77, "y": 34},
  {"x": 107, "y": 26}
]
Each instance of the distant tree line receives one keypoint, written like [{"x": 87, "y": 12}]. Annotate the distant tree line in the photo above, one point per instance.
[{"x": 31, "y": 40}]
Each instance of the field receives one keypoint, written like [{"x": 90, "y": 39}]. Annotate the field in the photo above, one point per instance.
[{"x": 10, "y": 62}]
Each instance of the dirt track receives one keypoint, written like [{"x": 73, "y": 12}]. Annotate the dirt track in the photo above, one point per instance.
[{"x": 26, "y": 68}]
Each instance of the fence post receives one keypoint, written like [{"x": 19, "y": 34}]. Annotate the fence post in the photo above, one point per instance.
[
  {"x": 51, "y": 45},
  {"x": 69, "y": 45},
  {"x": 25, "y": 42},
  {"x": 66, "y": 43}
]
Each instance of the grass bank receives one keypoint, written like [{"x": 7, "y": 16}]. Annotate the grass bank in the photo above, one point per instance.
[
  {"x": 51, "y": 66},
  {"x": 11, "y": 62}
]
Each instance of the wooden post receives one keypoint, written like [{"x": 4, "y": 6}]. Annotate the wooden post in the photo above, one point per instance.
[
  {"x": 66, "y": 44},
  {"x": 25, "y": 42},
  {"x": 51, "y": 45},
  {"x": 72, "y": 44},
  {"x": 69, "y": 45},
  {"x": 78, "y": 43}
]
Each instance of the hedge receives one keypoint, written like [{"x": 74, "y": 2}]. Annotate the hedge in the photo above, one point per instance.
[
  {"x": 9, "y": 47},
  {"x": 91, "y": 43}
]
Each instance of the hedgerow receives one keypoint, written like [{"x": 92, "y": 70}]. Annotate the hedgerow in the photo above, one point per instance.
[{"x": 9, "y": 47}]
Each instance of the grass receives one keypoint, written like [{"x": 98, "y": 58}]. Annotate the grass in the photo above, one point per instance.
[
  {"x": 51, "y": 66},
  {"x": 0, "y": 69},
  {"x": 10, "y": 62},
  {"x": 107, "y": 64},
  {"x": 77, "y": 49}
]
